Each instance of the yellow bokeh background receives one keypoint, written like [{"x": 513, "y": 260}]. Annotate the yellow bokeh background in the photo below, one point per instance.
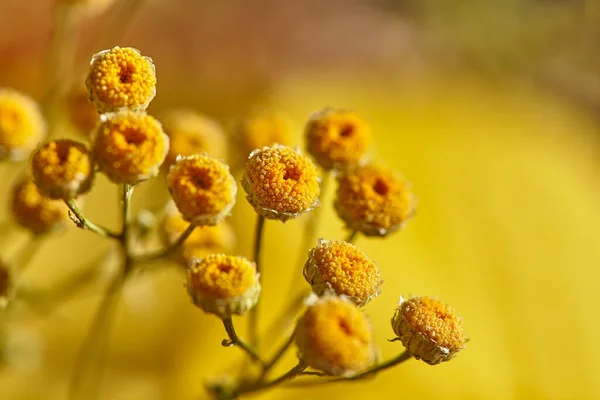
[{"x": 508, "y": 180}]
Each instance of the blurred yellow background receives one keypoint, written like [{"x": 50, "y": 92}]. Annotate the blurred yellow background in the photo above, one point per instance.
[{"x": 491, "y": 110}]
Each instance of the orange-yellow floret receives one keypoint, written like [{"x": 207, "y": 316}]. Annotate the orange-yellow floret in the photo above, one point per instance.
[
  {"x": 281, "y": 183},
  {"x": 374, "y": 200},
  {"x": 192, "y": 133},
  {"x": 204, "y": 240},
  {"x": 62, "y": 169},
  {"x": 34, "y": 211},
  {"x": 429, "y": 329},
  {"x": 202, "y": 188},
  {"x": 22, "y": 125},
  {"x": 223, "y": 285},
  {"x": 121, "y": 78},
  {"x": 129, "y": 146},
  {"x": 335, "y": 337},
  {"x": 263, "y": 129},
  {"x": 82, "y": 112},
  {"x": 340, "y": 267},
  {"x": 337, "y": 139}
]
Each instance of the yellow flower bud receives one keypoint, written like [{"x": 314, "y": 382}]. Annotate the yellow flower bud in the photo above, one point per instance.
[
  {"x": 281, "y": 183},
  {"x": 223, "y": 285},
  {"x": 337, "y": 139},
  {"x": 192, "y": 133},
  {"x": 429, "y": 329},
  {"x": 129, "y": 147},
  {"x": 374, "y": 200},
  {"x": 62, "y": 169},
  {"x": 121, "y": 78},
  {"x": 202, "y": 188},
  {"x": 333, "y": 336},
  {"x": 22, "y": 125},
  {"x": 36, "y": 212},
  {"x": 341, "y": 268}
]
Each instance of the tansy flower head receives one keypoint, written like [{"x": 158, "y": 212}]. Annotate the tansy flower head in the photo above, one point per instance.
[
  {"x": 202, "y": 188},
  {"x": 374, "y": 200},
  {"x": 281, "y": 183},
  {"x": 62, "y": 169},
  {"x": 121, "y": 78},
  {"x": 223, "y": 285},
  {"x": 340, "y": 267},
  {"x": 129, "y": 147},
  {"x": 5, "y": 284},
  {"x": 203, "y": 241},
  {"x": 335, "y": 337},
  {"x": 22, "y": 125},
  {"x": 192, "y": 133},
  {"x": 262, "y": 129},
  {"x": 429, "y": 329},
  {"x": 337, "y": 138},
  {"x": 82, "y": 112},
  {"x": 36, "y": 212}
]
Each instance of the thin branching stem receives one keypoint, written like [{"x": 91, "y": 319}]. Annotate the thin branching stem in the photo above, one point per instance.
[
  {"x": 280, "y": 352},
  {"x": 352, "y": 237},
  {"x": 259, "y": 386},
  {"x": 82, "y": 222},
  {"x": 170, "y": 249},
  {"x": 234, "y": 340},
  {"x": 253, "y": 314}
]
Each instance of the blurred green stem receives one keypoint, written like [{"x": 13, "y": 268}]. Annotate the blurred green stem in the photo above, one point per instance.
[
  {"x": 82, "y": 222},
  {"x": 234, "y": 340},
  {"x": 351, "y": 237},
  {"x": 253, "y": 317}
]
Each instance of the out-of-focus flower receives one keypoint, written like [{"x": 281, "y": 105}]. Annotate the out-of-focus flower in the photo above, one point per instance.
[
  {"x": 192, "y": 133},
  {"x": 36, "y": 212},
  {"x": 335, "y": 337},
  {"x": 429, "y": 329},
  {"x": 340, "y": 267},
  {"x": 203, "y": 241},
  {"x": 374, "y": 200},
  {"x": 121, "y": 78},
  {"x": 260, "y": 130},
  {"x": 281, "y": 183},
  {"x": 223, "y": 285},
  {"x": 62, "y": 169},
  {"x": 202, "y": 188},
  {"x": 82, "y": 112},
  {"x": 129, "y": 146},
  {"x": 22, "y": 125},
  {"x": 337, "y": 139}
]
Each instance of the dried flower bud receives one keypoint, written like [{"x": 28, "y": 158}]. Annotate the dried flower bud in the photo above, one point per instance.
[
  {"x": 374, "y": 200},
  {"x": 36, "y": 212},
  {"x": 281, "y": 183},
  {"x": 340, "y": 267},
  {"x": 429, "y": 329},
  {"x": 203, "y": 241},
  {"x": 335, "y": 337},
  {"x": 5, "y": 284},
  {"x": 223, "y": 285},
  {"x": 192, "y": 133},
  {"x": 62, "y": 169},
  {"x": 262, "y": 129},
  {"x": 337, "y": 139},
  {"x": 202, "y": 188},
  {"x": 82, "y": 112},
  {"x": 22, "y": 125},
  {"x": 121, "y": 78},
  {"x": 129, "y": 147}
]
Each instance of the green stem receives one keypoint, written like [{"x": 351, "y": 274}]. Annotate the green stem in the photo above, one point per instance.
[
  {"x": 234, "y": 340},
  {"x": 352, "y": 237},
  {"x": 169, "y": 250},
  {"x": 291, "y": 374},
  {"x": 271, "y": 363},
  {"x": 79, "y": 219},
  {"x": 253, "y": 317}
]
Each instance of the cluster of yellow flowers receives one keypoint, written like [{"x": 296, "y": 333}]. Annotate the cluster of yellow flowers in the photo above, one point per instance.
[{"x": 129, "y": 146}]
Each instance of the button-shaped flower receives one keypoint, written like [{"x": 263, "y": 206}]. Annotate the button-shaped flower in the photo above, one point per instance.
[
  {"x": 223, "y": 285},
  {"x": 281, "y": 183},
  {"x": 333, "y": 336},
  {"x": 429, "y": 329},
  {"x": 374, "y": 200}
]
